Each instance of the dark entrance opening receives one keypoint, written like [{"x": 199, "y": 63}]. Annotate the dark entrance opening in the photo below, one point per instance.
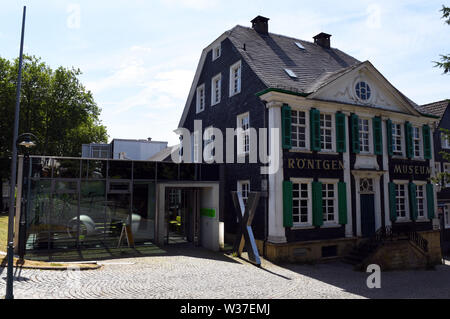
[
  {"x": 183, "y": 216},
  {"x": 367, "y": 214}
]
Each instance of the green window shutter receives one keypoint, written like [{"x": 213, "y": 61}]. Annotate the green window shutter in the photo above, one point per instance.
[
  {"x": 408, "y": 140},
  {"x": 342, "y": 203},
  {"x": 426, "y": 142},
  {"x": 392, "y": 203},
  {"x": 354, "y": 120},
  {"x": 412, "y": 200},
  {"x": 389, "y": 137},
  {"x": 430, "y": 201},
  {"x": 317, "y": 203},
  {"x": 377, "y": 136},
  {"x": 286, "y": 126},
  {"x": 287, "y": 204},
  {"x": 314, "y": 118},
  {"x": 340, "y": 133}
]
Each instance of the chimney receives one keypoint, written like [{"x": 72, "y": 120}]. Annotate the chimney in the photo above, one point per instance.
[
  {"x": 149, "y": 139},
  {"x": 260, "y": 24},
  {"x": 323, "y": 39}
]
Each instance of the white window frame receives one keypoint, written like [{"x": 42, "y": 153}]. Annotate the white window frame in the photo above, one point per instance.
[
  {"x": 402, "y": 139},
  {"x": 370, "y": 137},
  {"x": 232, "y": 78},
  {"x": 217, "y": 78},
  {"x": 335, "y": 220},
  {"x": 200, "y": 107},
  {"x": 241, "y": 134},
  {"x": 308, "y": 182},
  {"x": 209, "y": 134},
  {"x": 445, "y": 142},
  {"x": 307, "y": 128},
  {"x": 216, "y": 52},
  {"x": 424, "y": 198},
  {"x": 241, "y": 188},
  {"x": 446, "y": 212},
  {"x": 446, "y": 169},
  {"x": 418, "y": 141},
  {"x": 407, "y": 216},
  {"x": 333, "y": 132}
]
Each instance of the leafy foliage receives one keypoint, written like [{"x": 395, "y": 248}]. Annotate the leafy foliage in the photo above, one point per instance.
[
  {"x": 445, "y": 59},
  {"x": 54, "y": 106}
]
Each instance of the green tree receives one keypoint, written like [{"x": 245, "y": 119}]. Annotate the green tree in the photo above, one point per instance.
[
  {"x": 54, "y": 106},
  {"x": 445, "y": 59}
]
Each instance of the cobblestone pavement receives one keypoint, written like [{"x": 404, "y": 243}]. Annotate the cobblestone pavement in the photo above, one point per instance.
[{"x": 197, "y": 273}]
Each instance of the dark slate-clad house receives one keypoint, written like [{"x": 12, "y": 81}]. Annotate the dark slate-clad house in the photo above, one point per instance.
[
  {"x": 355, "y": 154},
  {"x": 441, "y": 109}
]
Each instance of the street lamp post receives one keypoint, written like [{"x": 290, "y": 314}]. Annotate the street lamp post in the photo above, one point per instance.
[
  {"x": 10, "y": 250},
  {"x": 27, "y": 142}
]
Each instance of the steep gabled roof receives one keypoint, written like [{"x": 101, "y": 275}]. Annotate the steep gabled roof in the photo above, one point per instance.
[
  {"x": 435, "y": 108},
  {"x": 270, "y": 54}
]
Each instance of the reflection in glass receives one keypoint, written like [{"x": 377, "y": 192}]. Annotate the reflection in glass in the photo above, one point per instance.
[
  {"x": 144, "y": 170},
  {"x": 94, "y": 169},
  {"x": 92, "y": 212},
  {"x": 66, "y": 168},
  {"x": 120, "y": 169},
  {"x": 167, "y": 171},
  {"x": 143, "y": 215},
  {"x": 37, "y": 216},
  {"x": 41, "y": 167}
]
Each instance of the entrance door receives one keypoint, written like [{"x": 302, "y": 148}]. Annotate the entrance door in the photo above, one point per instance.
[
  {"x": 182, "y": 215},
  {"x": 367, "y": 214}
]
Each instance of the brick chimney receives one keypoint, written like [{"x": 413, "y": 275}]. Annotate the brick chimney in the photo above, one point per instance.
[
  {"x": 260, "y": 24},
  {"x": 323, "y": 39}
]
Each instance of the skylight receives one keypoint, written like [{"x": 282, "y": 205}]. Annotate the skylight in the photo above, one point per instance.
[
  {"x": 290, "y": 73},
  {"x": 300, "y": 46}
]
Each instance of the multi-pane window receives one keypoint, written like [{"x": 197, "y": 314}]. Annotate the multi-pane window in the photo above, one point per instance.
[
  {"x": 364, "y": 136},
  {"x": 400, "y": 200},
  {"x": 216, "y": 85},
  {"x": 200, "y": 98},
  {"x": 447, "y": 177},
  {"x": 100, "y": 152},
  {"x": 243, "y": 123},
  {"x": 445, "y": 140},
  {"x": 417, "y": 142},
  {"x": 209, "y": 138},
  {"x": 244, "y": 188},
  {"x": 446, "y": 209},
  {"x": 363, "y": 90},
  {"x": 420, "y": 195},
  {"x": 235, "y": 78},
  {"x": 326, "y": 132},
  {"x": 298, "y": 119},
  {"x": 217, "y": 51},
  {"x": 329, "y": 202},
  {"x": 397, "y": 139},
  {"x": 300, "y": 198}
]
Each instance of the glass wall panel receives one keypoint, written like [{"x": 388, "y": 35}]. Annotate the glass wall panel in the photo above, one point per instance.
[
  {"x": 143, "y": 213},
  {"x": 167, "y": 171},
  {"x": 120, "y": 169},
  {"x": 188, "y": 172},
  {"x": 117, "y": 214},
  {"x": 38, "y": 215},
  {"x": 92, "y": 213},
  {"x": 41, "y": 167},
  {"x": 94, "y": 169},
  {"x": 66, "y": 168},
  {"x": 144, "y": 170},
  {"x": 62, "y": 220}
]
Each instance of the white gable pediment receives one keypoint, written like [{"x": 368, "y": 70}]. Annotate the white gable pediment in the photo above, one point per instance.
[{"x": 381, "y": 94}]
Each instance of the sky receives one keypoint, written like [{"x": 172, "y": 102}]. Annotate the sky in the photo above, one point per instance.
[{"x": 139, "y": 57}]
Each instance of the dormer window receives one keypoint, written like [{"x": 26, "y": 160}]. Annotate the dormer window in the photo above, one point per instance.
[
  {"x": 200, "y": 98},
  {"x": 216, "y": 52}
]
